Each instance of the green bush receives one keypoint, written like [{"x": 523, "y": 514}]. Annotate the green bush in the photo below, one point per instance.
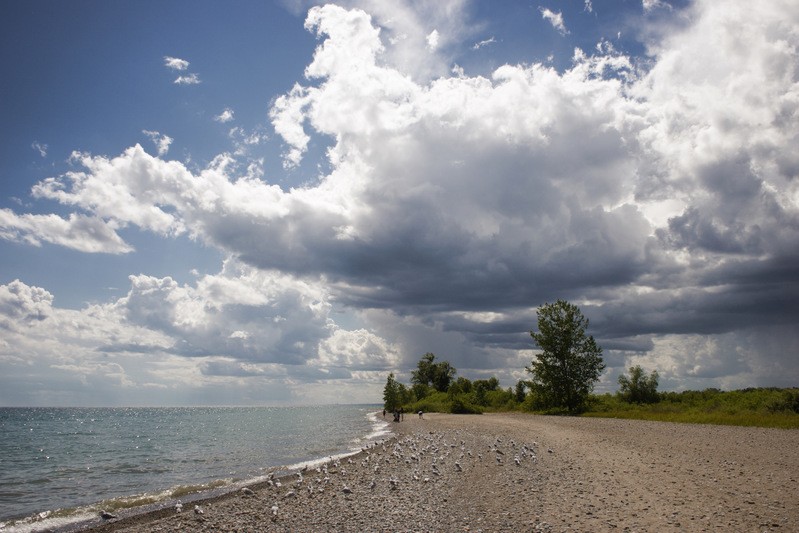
[
  {"x": 435, "y": 402},
  {"x": 461, "y": 406}
]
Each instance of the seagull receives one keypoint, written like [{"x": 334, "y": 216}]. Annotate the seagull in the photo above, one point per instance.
[
  {"x": 178, "y": 507},
  {"x": 105, "y": 515},
  {"x": 274, "y": 512},
  {"x": 346, "y": 490},
  {"x": 198, "y": 510},
  {"x": 247, "y": 491}
]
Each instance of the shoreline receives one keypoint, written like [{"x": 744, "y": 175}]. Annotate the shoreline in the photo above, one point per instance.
[
  {"x": 510, "y": 472},
  {"x": 157, "y": 502}
]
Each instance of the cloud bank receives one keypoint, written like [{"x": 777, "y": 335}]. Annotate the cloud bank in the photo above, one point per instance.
[{"x": 661, "y": 196}]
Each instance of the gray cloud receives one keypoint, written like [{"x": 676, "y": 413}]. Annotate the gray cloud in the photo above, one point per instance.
[{"x": 664, "y": 201}]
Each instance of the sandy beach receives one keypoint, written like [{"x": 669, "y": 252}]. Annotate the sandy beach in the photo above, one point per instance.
[{"x": 515, "y": 472}]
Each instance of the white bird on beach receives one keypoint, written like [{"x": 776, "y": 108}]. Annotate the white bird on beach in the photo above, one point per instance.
[
  {"x": 178, "y": 507},
  {"x": 105, "y": 515},
  {"x": 198, "y": 510},
  {"x": 274, "y": 512}
]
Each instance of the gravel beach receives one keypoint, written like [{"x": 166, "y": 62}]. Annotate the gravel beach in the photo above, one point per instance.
[{"x": 517, "y": 472}]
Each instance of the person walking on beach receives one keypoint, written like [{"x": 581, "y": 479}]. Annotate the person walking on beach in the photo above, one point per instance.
[{"x": 384, "y": 413}]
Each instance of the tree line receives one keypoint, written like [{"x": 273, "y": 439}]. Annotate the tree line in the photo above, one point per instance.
[{"x": 561, "y": 377}]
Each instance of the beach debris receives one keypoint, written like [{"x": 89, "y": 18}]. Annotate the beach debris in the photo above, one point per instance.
[
  {"x": 458, "y": 467},
  {"x": 178, "y": 507},
  {"x": 198, "y": 510},
  {"x": 290, "y": 494},
  {"x": 246, "y": 491},
  {"x": 393, "y": 482},
  {"x": 346, "y": 490},
  {"x": 105, "y": 515},
  {"x": 372, "y": 484},
  {"x": 274, "y": 511}
]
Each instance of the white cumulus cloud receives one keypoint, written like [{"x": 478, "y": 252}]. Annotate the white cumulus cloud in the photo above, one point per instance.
[
  {"x": 175, "y": 63},
  {"x": 225, "y": 116},
  {"x": 162, "y": 142},
  {"x": 556, "y": 19}
]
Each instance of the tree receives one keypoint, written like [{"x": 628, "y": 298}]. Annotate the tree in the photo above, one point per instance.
[
  {"x": 391, "y": 394},
  {"x": 639, "y": 388},
  {"x": 520, "y": 391},
  {"x": 570, "y": 362},
  {"x": 464, "y": 384},
  {"x": 443, "y": 375},
  {"x": 423, "y": 375},
  {"x": 429, "y": 373}
]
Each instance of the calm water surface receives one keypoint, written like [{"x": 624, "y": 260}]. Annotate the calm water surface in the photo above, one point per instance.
[{"x": 58, "y": 464}]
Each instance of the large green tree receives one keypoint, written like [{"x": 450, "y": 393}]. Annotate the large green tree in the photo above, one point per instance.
[
  {"x": 570, "y": 362},
  {"x": 430, "y": 373},
  {"x": 639, "y": 388},
  {"x": 391, "y": 394}
]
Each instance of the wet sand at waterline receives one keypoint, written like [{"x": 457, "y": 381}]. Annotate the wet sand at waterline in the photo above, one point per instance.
[{"x": 516, "y": 472}]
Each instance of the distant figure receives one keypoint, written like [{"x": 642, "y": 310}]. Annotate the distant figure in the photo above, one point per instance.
[
  {"x": 396, "y": 415},
  {"x": 420, "y": 414},
  {"x": 402, "y": 413},
  {"x": 384, "y": 413}
]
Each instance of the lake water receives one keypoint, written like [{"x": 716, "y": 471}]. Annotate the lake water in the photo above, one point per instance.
[{"x": 61, "y": 465}]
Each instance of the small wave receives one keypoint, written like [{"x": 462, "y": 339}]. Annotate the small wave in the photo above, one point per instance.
[
  {"x": 62, "y": 518},
  {"x": 380, "y": 427}
]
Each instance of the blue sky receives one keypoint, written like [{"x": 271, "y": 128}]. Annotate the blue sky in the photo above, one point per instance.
[{"x": 281, "y": 202}]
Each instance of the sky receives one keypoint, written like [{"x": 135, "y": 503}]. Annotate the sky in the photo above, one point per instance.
[{"x": 279, "y": 203}]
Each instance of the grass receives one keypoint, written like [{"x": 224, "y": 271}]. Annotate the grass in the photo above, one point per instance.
[
  {"x": 755, "y": 407},
  {"x": 762, "y": 407}
]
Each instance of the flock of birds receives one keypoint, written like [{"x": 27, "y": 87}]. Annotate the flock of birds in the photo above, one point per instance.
[{"x": 414, "y": 458}]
